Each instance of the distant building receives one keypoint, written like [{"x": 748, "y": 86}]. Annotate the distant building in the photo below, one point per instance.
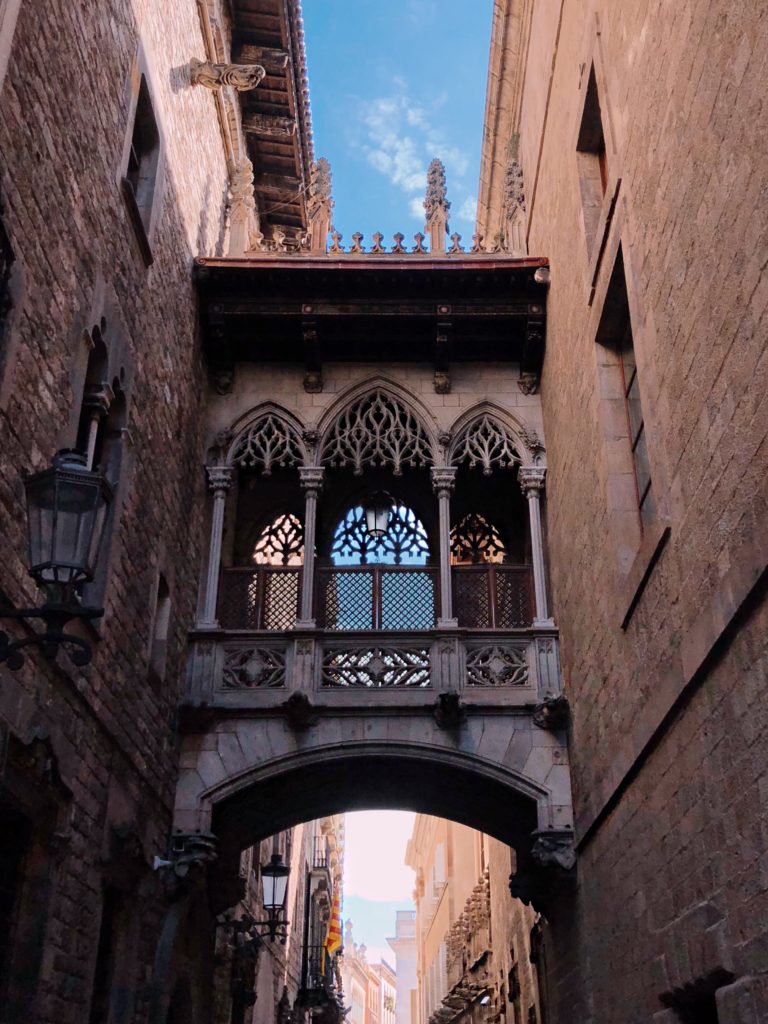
[
  {"x": 403, "y": 944},
  {"x": 370, "y": 990},
  {"x": 473, "y": 940}
]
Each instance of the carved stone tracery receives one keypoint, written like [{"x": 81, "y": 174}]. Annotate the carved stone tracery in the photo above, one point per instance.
[
  {"x": 266, "y": 444},
  {"x": 281, "y": 542},
  {"x": 475, "y": 540},
  {"x": 405, "y": 541},
  {"x": 377, "y": 430},
  {"x": 497, "y": 665},
  {"x": 487, "y": 443},
  {"x": 253, "y": 668}
]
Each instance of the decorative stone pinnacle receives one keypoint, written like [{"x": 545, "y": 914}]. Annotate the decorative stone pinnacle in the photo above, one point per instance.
[
  {"x": 436, "y": 197},
  {"x": 320, "y": 180},
  {"x": 514, "y": 196},
  {"x": 241, "y": 77}
]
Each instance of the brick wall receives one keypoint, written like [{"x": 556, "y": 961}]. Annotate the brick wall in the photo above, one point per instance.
[
  {"x": 64, "y": 111},
  {"x": 669, "y": 742}
]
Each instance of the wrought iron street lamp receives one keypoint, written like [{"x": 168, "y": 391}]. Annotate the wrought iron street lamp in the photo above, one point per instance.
[
  {"x": 274, "y": 884},
  {"x": 377, "y": 511},
  {"x": 66, "y": 513}
]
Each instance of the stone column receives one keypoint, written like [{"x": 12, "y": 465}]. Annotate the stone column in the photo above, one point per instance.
[
  {"x": 443, "y": 480},
  {"x": 97, "y": 403},
  {"x": 311, "y": 478},
  {"x": 219, "y": 482},
  {"x": 532, "y": 482}
]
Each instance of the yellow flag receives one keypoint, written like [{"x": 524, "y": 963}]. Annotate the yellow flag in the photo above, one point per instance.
[{"x": 333, "y": 936}]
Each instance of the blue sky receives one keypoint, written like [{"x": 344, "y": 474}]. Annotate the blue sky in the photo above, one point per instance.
[
  {"x": 376, "y": 881},
  {"x": 394, "y": 83}
]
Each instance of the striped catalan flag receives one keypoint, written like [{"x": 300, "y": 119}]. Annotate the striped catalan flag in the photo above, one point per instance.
[{"x": 333, "y": 936}]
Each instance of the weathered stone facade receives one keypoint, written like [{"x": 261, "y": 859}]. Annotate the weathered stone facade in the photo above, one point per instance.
[
  {"x": 663, "y": 629},
  {"x": 91, "y": 754}
]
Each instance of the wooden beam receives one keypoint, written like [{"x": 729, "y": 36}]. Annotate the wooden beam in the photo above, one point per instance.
[
  {"x": 277, "y": 184},
  {"x": 269, "y": 58},
  {"x": 269, "y": 125}
]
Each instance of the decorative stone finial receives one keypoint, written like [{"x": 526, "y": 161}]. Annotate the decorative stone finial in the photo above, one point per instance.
[
  {"x": 244, "y": 232},
  {"x": 319, "y": 205},
  {"x": 436, "y": 206},
  {"x": 241, "y": 77}
]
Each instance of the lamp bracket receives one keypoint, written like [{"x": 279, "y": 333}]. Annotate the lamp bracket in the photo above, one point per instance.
[{"x": 55, "y": 617}]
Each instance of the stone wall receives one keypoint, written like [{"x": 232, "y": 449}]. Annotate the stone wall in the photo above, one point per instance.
[
  {"x": 663, "y": 636},
  {"x": 65, "y": 108}
]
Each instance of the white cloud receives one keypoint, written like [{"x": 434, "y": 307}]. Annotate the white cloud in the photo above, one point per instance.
[
  {"x": 374, "y": 855},
  {"x": 401, "y": 141},
  {"x": 467, "y": 211},
  {"x": 416, "y": 206}
]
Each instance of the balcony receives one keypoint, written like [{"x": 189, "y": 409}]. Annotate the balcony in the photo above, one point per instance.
[
  {"x": 377, "y": 597},
  {"x": 360, "y": 645}
]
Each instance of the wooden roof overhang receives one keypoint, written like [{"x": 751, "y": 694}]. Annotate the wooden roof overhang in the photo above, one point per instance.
[
  {"x": 368, "y": 308},
  {"x": 276, "y": 115}
]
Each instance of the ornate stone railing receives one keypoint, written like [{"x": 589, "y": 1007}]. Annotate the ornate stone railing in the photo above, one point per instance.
[{"x": 232, "y": 668}]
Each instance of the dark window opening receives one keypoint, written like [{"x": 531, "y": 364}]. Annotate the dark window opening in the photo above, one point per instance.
[
  {"x": 6, "y": 266},
  {"x": 615, "y": 332},
  {"x": 141, "y": 172},
  {"x": 696, "y": 1002},
  {"x": 15, "y": 831},
  {"x": 112, "y": 917},
  {"x": 592, "y": 159},
  {"x": 159, "y": 650}
]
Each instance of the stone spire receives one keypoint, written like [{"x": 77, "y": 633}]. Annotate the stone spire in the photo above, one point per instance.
[
  {"x": 514, "y": 209},
  {"x": 319, "y": 205},
  {"x": 436, "y": 206}
]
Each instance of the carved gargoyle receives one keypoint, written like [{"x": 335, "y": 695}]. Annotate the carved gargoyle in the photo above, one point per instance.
[
  {"x": 552, "y": 713},
  {"x": 241, "y": 77},
  {"x": 300, "y": 712},
  {"x": 449, "y": 712}
]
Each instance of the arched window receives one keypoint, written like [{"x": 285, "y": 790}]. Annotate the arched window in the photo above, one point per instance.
[
  {"x": 475, "y": 540},
  {"x": 281, "y": 542},
  {"x": 404, "y": 543}
]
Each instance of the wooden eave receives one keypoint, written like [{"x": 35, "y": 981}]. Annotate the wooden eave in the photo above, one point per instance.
[
  {"x": 281, "y": 163},
  {"x": 317, "y": 309}
]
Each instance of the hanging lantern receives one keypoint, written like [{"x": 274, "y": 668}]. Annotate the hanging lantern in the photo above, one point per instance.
[
  {"x": 66, "y": 511},
  {"x": 378, "y": 511}
]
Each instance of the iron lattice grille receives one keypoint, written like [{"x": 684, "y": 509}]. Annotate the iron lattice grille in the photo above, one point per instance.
[
  {"x": 377, "y": 431},
  {"x": 378, "y": 597},
  {"x": 405, "y": 541},
  {"x": 497, "y": 665},
  {"x": 263, "y": 598},
  {"x": 376, "y": 667},
  {"x": 253, "y": 668},
  {"x": 493, "y": 596}
]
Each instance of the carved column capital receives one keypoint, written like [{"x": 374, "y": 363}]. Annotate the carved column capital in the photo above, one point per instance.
[
  {"x": 219, "y": 478},
  {"x": 443, "y": 479},
  {"x": 553, "y": 848},
  {"x": 311, "y": 478},
  {"x": 98, "y": 400},
  {"x": 242, "y": 77},
  {"x": 531, "y": 479}
]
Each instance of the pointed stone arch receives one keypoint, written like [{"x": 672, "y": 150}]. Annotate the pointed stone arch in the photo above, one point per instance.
[
  {"x": 266, "y": 438},
  {"x": 489, "y": 437},
  {"x": 377, "y": 422}
]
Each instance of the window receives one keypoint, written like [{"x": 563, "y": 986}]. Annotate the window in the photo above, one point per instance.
[
  {"x": 142, "y": 168},
  {"x": 591, "y": 159},
  {"x": 615, "y": 334},
  {"x": 6, "y": 266},
  {"x": 112, "y": 914},
  {"x": 159, "y": 649}
]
